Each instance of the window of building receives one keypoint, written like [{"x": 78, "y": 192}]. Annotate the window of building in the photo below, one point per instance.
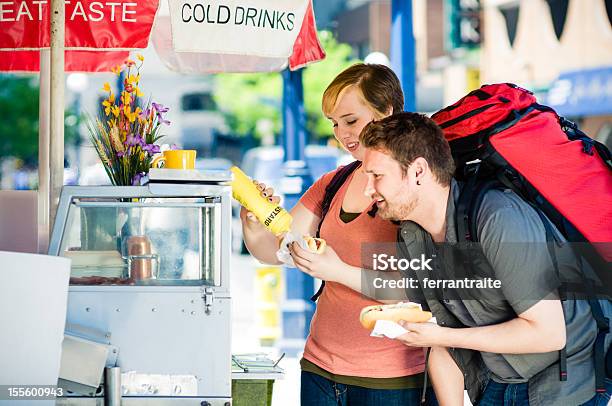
[{"x": 198, "y": 102}]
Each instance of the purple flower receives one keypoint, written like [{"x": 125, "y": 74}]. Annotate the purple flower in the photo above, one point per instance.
[
  {"x": 136, "y": 178},
  {"x": 174, "y": 146},
  {"x": 134, "y": 140},
  {"x": 120, "y": 154},
  {"x": 160, "y": 109},
  {"x": 151, "y": 148},
  {"x": 144, "y": 114}
]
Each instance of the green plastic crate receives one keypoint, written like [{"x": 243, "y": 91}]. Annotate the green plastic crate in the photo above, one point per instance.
[{"x": 252, "y": 392}]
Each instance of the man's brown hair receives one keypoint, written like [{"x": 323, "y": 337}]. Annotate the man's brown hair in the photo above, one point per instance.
[
  {"x": 380, "y": 88},
  {"x": 408, "y": 136}
]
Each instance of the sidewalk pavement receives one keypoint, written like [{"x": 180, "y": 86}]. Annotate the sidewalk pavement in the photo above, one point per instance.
[{"x": 245, "y": 336}]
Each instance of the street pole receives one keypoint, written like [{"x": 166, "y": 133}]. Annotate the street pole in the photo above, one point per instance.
[
  {"x": 43, "y": 153},
  {"x": 297, "y": 309},
  {"x": 403, "y": 55},
  {"x": 56, "y": 125}
]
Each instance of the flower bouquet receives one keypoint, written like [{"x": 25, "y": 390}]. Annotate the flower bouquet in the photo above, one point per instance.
[{"x": 125, "y": 133}]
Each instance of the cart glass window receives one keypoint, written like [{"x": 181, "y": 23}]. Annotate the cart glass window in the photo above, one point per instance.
[{"x": 152, "y": 241}]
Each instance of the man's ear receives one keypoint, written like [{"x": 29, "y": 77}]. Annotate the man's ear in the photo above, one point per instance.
[{"x": 420, "y": 168}]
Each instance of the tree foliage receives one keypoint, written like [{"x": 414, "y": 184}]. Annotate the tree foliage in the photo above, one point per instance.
[
  {"x": 247, "y": 98},
  {"x": 19, "y": 119},
  {"x": 19, "y": 124},
  {"x": 316, "y": 78}
]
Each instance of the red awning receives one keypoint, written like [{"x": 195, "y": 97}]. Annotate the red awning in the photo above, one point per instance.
[
  {"x": 118, "y": 24},
  {"x": 96, "y": 30},
  {"x": 75, "y": 61}
]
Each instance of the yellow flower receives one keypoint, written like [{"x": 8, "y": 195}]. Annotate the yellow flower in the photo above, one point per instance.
[
  {"x": 140, "y": 57},
  {"x": 129, "y": 114},
  {"x": 106, "y": 87},
  {"x": 115, "y": 111},
  {"x": 116, "y": 70},
  {"x": 108, "y": 103},
  {"x": 131, "y": 79},
  {"x": 132, "y": 115},
  {"x": 139, "y": 93},
  {"x": 126, "y": 98},
  {"x": 107, "y": 107}
]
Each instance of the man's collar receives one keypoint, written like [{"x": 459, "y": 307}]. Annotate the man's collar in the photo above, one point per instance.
[
  {"x": 410, "y": 227},
  {"x": 451, "y": 227}
]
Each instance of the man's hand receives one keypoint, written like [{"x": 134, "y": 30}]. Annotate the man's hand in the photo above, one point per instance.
[
  {"x": 423, "y": 334},
  {"x": 326, "y": 266},
  {"x": 539, "y": 329}
]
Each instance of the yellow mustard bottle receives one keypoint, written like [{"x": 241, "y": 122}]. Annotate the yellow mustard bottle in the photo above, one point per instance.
[{"x": 271, "y": 215}]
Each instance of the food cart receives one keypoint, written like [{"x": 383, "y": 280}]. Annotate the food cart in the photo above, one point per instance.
[{"x": 149, "y": 316}]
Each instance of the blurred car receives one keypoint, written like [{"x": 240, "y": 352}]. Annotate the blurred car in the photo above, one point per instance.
[
  {"x": 94, "y": 175},
  {"x": 200, "y": 117}
]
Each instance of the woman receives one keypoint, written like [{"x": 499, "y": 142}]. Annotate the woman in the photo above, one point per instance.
[{"x": 342, "y": 364}]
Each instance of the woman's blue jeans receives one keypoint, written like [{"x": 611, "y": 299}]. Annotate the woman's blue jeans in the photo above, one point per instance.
[{"x": 319, "y": 391}]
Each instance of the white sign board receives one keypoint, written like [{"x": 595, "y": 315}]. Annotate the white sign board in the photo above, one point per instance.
[
  {"x": 266, "y": 28},
  {"x": 33, "y": 299}
]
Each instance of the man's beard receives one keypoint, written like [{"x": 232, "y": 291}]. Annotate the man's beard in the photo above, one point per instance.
[{"x": 398, "y": 212}]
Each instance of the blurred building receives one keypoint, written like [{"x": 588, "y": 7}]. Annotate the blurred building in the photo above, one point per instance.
[
  {"x": 365, "y": 25},
  {"x": 367, "y": 29},
  {"x": 560, "y": 48}
]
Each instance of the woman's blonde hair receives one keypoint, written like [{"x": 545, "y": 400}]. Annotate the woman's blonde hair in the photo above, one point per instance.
[{"x": 380, "y": 88}]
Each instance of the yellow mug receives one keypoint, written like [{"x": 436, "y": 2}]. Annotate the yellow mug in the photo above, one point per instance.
[{"x": 176, "y": 159}]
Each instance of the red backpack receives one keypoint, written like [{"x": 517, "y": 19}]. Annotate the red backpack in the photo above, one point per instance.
[
  {"x": 545, "y": 158},
  {"x": 500, "y": 136}
]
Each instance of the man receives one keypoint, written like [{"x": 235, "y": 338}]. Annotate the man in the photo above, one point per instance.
[{"x": 502, "y": 345}]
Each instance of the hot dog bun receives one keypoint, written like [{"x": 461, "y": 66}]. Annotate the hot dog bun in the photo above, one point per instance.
[
  {"x": 394, "y": 312},
  {"x": 315, "y": 245}
]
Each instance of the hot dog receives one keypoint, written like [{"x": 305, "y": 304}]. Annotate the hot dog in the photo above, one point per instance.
[
  {"x": 315, "y": 245},
  {"x": 394, "y": 312}
]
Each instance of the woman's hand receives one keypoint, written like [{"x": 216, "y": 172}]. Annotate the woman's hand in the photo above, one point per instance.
[
  {"x": 249, "y": 221},
  {"x": 326, "y": 266}
]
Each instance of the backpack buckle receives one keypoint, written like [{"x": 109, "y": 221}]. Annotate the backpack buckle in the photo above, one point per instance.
[
  {"x": 587, "y": 146},
  {"x": 471, "y": 168},
  {"x": 567, "y": 124}
]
